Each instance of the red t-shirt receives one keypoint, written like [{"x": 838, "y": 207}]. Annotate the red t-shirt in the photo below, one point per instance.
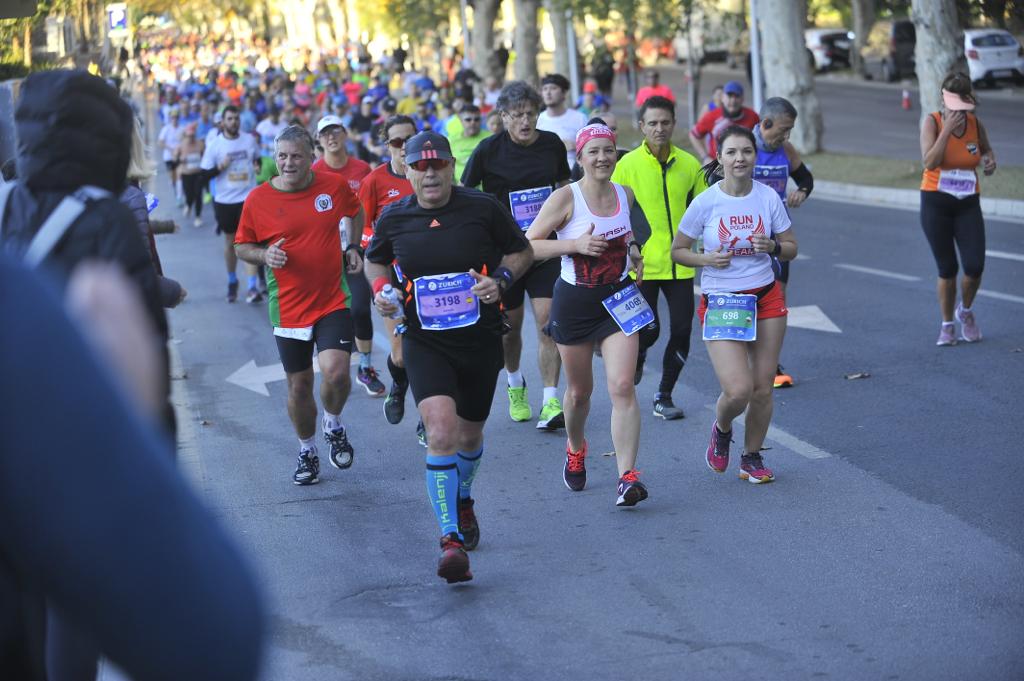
[
  {"x": 353, "y": 92},
  {"x": 353, "y": 171},
  {"x": 311, "y": 284},
  {"x": 380, "y": 188},
  {"x": 715, "y": 121},
  {"x": 647, "y": 91}
]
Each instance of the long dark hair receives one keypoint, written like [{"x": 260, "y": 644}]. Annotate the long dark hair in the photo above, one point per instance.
[{"x": 714, "y": 169}]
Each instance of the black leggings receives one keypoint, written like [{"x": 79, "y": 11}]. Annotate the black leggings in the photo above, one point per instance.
[
  {"x": 946, "y": 221},
  {"x": 679, "y": 296},
  {"x": 361, "y": 303},
  {"x": 192, "y": 184}
]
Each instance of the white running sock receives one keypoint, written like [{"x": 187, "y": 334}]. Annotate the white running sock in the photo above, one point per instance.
[
  {"x": 307, "y": 445},
  {"x": 332, "y": 422},
  {"x": 550, "y": 393},
  {"x": 515, "y": 379}
]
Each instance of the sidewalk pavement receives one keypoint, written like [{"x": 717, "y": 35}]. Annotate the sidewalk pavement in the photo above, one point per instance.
[{"x": 910, "y": 199}]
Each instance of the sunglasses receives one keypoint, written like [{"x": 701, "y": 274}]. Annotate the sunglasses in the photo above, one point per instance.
[
  {"x": 398, "y": 142},
  {"x": 520, "y": 115},
  {"x": 474, "y": 119},
  {"x": 423, "y": 164}
]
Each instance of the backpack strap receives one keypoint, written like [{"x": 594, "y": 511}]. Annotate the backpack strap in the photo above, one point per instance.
[{"x": 53, "y": 230}]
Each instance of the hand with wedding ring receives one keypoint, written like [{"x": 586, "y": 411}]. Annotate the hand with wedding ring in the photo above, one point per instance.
[{"x": 486, "y": 288}]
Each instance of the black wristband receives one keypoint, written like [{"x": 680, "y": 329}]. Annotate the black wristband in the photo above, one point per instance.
[
  {"x": 634, "y": 243},
  {"x": 778, "y": 248},
  {"x": 357, "y": 249},
  {"x": 504, "y": 274}
]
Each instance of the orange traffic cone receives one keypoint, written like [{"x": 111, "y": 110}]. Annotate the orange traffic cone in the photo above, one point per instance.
[{"x": 906, "y": 100}]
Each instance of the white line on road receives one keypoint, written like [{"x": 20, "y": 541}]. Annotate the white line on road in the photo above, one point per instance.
[
  {"x": 1001, "y": 296},
  {"x": 1005, "y": 255},
  {"x": 877, "y": 273},
  {"x": 778, "y": 435}
]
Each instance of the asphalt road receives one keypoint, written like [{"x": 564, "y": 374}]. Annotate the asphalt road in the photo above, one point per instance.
[
  {"x": 866, "y": 117},
  {"x": 888, "y": 548}
]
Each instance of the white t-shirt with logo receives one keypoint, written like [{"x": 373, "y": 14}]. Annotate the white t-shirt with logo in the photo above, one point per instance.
[
  {"x": 235, "y": 182},
  {"x": 565, "y": 126},
  {"x": 170, "y": 138},
  {"x": 731, "y": 221},
  {"x": 268, "y": 131}
]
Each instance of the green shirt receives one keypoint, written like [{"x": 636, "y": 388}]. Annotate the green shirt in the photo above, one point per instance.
[{"x": 462, "y": 148}]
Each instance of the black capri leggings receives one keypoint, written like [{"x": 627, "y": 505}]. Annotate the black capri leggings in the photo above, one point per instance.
[
  {"x": 946, "y": 221},
  {"x": 361, "y": 302},
  {"x": 679, "y": 296},
  {"x": 192, "y": 184}
]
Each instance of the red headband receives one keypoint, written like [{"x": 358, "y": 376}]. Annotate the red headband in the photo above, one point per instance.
[{"x": 592, "y": 132}]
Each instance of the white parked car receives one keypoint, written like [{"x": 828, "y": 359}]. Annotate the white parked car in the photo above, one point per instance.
[
  {"x": 993, "y": 54},
  {"x": 829, "y": 48}
]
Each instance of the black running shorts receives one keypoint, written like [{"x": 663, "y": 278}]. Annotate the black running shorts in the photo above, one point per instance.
[
  {"x": 577, "y": 314},
  {"x": 227, "y": 215},
  {"x": 539, "y": 282},
  {"x": 332, "y": 332},
  {"x": 467, "y": 375}
]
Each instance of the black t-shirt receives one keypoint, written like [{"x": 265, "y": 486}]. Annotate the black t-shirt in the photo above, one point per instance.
[
  {"x": 500, "y": 166},
  {"x": 471, "y": 231}
]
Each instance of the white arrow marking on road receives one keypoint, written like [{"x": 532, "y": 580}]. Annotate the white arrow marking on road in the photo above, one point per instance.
[
  {"x": 255, "y": 378},
  {"x": 811, "y": 317}
]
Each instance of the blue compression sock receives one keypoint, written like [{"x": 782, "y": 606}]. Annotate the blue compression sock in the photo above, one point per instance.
[
  {"x": 442, "y": 489},
  {"x": 254, "y": 281},
  {"x": 232, "y": 278},
  {"x": 468, "y": 464}
]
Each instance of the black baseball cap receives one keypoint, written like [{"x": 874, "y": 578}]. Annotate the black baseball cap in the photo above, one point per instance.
[{"x": 427, "y": 145}]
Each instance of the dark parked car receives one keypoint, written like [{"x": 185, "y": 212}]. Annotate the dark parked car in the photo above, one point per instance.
[{"x": 888, "y": 53}]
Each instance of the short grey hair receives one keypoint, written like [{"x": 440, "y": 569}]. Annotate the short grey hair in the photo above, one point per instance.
[
  {"x": 517, "y": 93},
  {"x": 777, "y": 107},
  {"x": 295, "y": 133}
]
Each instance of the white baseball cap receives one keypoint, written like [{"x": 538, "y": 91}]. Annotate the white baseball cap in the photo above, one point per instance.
[{"x": 328, "y": 121}]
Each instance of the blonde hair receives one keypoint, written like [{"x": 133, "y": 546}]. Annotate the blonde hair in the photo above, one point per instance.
[{"x": 140, "y": 167}]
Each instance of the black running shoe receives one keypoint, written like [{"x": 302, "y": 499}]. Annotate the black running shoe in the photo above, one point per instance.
[
  {"x": 232, "y": 291},
  {"x": 342, "y": 453},
  {"x": 574, "y": 474},
  {"x": 421, "y": 433},
  {"x": 631, "y": 490},
  {"x": 394, "y": 404},
  {"x": 666, "y": 409},
  {"x": 307, "y": 472},
  {"x": 468, "y": 525},
  {"x": 454, "y": 563}
]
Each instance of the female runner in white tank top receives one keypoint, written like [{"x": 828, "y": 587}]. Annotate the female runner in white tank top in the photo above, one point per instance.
[{"x": 595, "y": 242}]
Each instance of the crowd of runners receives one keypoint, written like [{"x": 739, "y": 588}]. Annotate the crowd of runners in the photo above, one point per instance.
[{"x": 347, "y": 187}]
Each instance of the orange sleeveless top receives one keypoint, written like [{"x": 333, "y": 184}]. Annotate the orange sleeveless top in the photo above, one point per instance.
[{"x": 962, "y": 153}]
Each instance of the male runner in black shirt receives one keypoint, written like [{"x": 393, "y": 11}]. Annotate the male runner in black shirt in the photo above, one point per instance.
[
  {"x": 444, "y": 242},
  {"x": 521, "y": 167}
]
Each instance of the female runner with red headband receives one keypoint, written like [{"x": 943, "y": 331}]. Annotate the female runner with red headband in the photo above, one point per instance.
[{"x": 596, "y": 303}]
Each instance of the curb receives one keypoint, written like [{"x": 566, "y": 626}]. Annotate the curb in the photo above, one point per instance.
[{"x": 910, "y": 199}]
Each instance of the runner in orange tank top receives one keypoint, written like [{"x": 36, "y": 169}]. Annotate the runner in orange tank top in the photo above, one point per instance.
[{"x": 953, "y": 145}]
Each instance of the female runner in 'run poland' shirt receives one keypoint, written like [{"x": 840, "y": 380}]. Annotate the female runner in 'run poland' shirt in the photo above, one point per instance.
[{"x": 742, "y": 223}]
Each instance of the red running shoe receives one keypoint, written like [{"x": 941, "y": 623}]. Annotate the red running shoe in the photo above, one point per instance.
[
  {"x": 718, "y": 450},
  {"x": 454, "y": 563},
  {"x": 575, "y": 472},
  {"x": 468, "y": 525},
  {"x": 753, "y": 470}
]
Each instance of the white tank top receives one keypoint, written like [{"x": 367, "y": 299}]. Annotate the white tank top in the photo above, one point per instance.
[{"x": 611, "y": 266}]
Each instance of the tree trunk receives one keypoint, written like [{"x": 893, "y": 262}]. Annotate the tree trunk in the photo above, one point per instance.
[
  {"x": 484, "y": 14},
  {"x": 938, "y": 51},
  {"x": 28, "y": 43},
  {"x": 863, "y": 20},
  {"x": 527, "y": 41},
  {"x": 559, "y": 25},
  {"x": 787, "y": 72}
]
